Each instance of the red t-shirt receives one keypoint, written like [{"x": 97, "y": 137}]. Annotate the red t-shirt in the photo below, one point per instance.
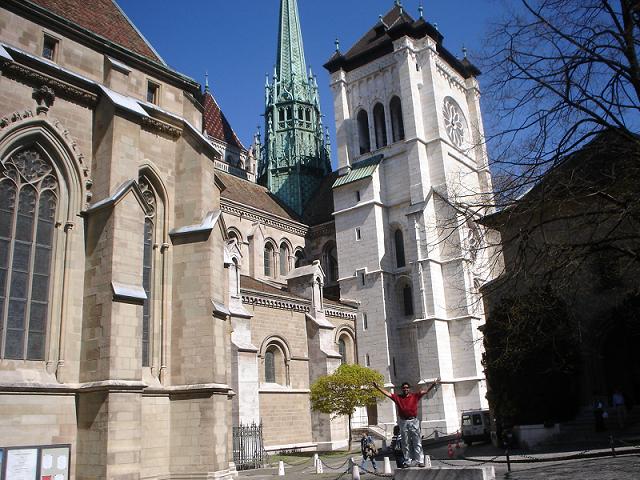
[{"x": 407, "y": 406}]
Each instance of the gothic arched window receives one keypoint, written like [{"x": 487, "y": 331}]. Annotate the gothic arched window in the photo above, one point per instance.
[
  {"x": 379, "y": 126},
  {"x": 397, "y": 124},
  {"x": 28, "y": 201},
  {"x": 147, "y": 267},
  {"x": 399, "y": 244},
  {"x": 363, "y": 132},
  {"x": 299, "y": 258}
]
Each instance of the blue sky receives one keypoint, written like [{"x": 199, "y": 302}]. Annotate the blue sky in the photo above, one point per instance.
[{"x": 235, "y": 41}]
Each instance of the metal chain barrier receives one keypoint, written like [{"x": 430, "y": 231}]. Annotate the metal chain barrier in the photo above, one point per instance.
[
  {"x": 297, "y": 464},
  {"x": 333, "y": 468}
]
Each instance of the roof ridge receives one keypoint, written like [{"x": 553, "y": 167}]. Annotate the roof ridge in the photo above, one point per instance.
[
  {"x": 139, "y": 33},
  {"x": 223, "y": 119}
]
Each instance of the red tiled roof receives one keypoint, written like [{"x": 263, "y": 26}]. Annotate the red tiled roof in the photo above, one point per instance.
[
  {"x": 216, "y": 124},
  {"x": 104, "y": 18}
]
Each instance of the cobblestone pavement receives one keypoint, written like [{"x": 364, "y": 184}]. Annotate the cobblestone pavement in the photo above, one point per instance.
[
  {"x": 625, "y": 467},
  {"x": 556, "y": 463}
]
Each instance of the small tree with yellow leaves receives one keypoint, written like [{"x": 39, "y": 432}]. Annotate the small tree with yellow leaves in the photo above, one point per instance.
[{"x": 350, "y": 386}]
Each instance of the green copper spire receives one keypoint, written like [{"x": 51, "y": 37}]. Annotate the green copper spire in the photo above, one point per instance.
[
  {"x": 290, "y": 50},
  {"x": 296, "y": 154}
]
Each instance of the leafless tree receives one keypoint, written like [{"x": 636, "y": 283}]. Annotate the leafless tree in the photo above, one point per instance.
[{"x": 562, "y": 109}]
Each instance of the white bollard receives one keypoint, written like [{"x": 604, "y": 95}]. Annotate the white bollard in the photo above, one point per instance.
[
  {"x": 319, "y": 466},
  {"x": 315, "y": 459},
  {"x": 427, "y": 461},
  {"x": 387, "y": 466},
  {"x": 355, "y": 473},
  {"x": 281, "y": 468}
]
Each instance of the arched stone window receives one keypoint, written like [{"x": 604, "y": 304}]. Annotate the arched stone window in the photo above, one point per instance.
[
  {"x": 379, "y": 125},
  {"x": 269, "y": 367},
  {"x": 29, "y": 197},
  {"x": 233, "y": 234},
  {"x": 284, "y": 259},
  {"x": 275, "y": 368},
  {"x": 363, "y": 132},
  {"x": 269, "y": 251},
  {"x": 234, "y": 279},
  {"x": 397, "y": 123},
  {"x": 342, "y": 350},
  {"x": 346, "y": 346},
  {"x": 398, "y": 241},
  {"x": 147, "y": 267},
  {"x": 330, "y": 263},
  {"x": 407, "y": 300},
  {"x": 299, "y": 258},
  {"x": 153, "y": 264}
]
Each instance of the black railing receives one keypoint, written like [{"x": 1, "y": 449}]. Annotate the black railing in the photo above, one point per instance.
[{"x": 248, "y": 447}]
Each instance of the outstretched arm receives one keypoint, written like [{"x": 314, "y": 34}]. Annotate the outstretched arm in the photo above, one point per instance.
[
  {"x": 431, "y": 387},
  {"x": 382, "y": 390}
]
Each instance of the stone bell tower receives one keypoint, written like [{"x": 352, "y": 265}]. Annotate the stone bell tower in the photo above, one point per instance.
[{"x": 410, "y": 144}]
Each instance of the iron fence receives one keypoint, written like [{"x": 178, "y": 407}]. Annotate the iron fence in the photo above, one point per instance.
[{"x": 248, "y": 447}]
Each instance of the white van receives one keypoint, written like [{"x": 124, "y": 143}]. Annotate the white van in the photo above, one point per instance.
[{"x": 476, "y": 426}]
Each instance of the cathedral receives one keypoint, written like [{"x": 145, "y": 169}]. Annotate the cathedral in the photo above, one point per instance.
[{"x": 162, "y": 285}]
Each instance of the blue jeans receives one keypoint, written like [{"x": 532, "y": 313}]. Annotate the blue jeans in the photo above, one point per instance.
[
  {"x": 373, "y": 463},
  {"x": 411, "y": 439}
]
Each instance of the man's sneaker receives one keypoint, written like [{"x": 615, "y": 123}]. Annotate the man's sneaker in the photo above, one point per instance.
[
  {"x": 420, "y": 465},
  {"x": 405, "y": 465}
]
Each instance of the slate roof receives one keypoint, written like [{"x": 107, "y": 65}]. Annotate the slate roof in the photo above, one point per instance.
[
  {"x": 320, "y": 208},
  {"x": 216, "y": 124},
  {"x": 254, "y": 195},
  {"x": 103, "y": 18},
  {"x": 378, "y": 41}
]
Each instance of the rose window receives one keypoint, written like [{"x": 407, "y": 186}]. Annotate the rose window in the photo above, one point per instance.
[{"x": 454, "y": 121}]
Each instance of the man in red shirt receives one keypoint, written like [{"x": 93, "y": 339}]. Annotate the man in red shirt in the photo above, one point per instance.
[{"x": 407, "y": 406}]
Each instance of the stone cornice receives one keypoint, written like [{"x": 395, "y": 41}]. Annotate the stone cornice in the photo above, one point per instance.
[
  {"x": 61, "y": 88},
  {"x": 112, "y": 386},
  {"x": 37, "y": 73},
  {"x": 161, "y": 127},
  {"x": 241, "y": 210},
  {"x": 336, "y": 312},
  {"x": 281, "y": 302},
  {"x": 323, "y": 229},
  {"x": 363, "y": 72},
  {"x": 451, "y": 77}
]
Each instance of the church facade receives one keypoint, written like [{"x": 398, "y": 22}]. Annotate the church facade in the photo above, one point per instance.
[{"x": 161, "y": 284}]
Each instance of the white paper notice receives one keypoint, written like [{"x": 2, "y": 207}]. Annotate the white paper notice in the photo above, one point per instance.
[
  {"x": 59, "y": 476},
  {"x": 62, "y": 462},
  {"x": 21, "y": 464},
  {"x": 47, "y": 462}
]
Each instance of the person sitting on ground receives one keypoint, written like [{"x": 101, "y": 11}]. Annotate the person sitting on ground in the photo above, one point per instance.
[
  {"x": 396, "y": 447},
  {"x": 369, "y": 451}
]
